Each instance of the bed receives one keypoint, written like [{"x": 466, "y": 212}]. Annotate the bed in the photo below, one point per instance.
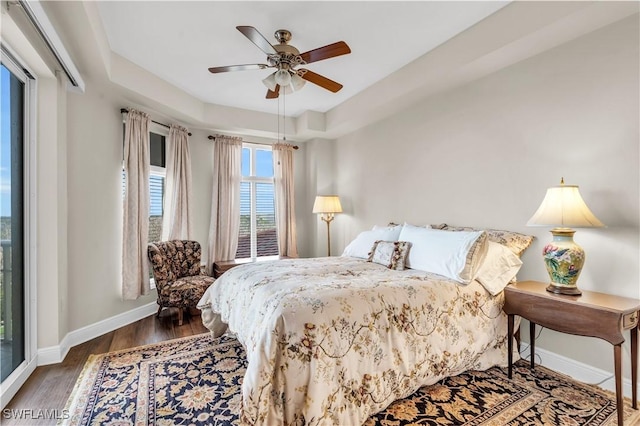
[{"x": 334, "y": 340}]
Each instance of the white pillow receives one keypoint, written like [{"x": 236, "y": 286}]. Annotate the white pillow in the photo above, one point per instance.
[
  {"x": 396, "y": 228},
  {"x": 455, "y": 255},
  {"x": 362, "y": 245},
  {"x": 498, "y": 268}
]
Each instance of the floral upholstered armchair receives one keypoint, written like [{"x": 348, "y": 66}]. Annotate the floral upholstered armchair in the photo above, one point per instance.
[{"x": 178, "y": 275}]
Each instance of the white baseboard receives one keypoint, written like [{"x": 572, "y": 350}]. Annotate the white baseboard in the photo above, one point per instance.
[
  {"x": 55, "y": 354},
  {"x": 579, "y": 371}
]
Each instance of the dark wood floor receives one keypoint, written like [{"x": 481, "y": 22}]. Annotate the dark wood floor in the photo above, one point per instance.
[{"x": 49, "y": 386}]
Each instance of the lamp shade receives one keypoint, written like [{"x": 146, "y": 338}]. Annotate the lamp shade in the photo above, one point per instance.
[
  {"x": 270, "y": 82},
  {"x": 327, "y": 204},
  {"x": 297, "y": 82},
  {"x": 564, "y": 207},
  {"x": 283, "y": 78}
]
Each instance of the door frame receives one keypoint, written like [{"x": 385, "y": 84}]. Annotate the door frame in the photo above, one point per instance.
[{"x": 10, "y": 386}]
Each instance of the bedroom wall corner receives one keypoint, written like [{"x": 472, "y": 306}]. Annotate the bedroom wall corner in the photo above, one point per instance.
[
  {"x": 319, "y": 179},
  {"x": 303, "y": 218},
  {"x": 201, "y": 150},
  {"x": 63, "y": 204}
]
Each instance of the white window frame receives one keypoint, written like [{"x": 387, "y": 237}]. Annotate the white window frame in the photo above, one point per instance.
[
  {"x": 19, "y": 376},
  {"x": 253, "y": 179},
  {"x": 159, "y": 171}
]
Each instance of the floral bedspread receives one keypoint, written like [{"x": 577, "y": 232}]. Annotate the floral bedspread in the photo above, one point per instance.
[{"x": 331, "y": 341}]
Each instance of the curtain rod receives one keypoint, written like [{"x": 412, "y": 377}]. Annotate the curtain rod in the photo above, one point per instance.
[
  {"x": 211, "y": 138},
  {"x": 123, "y": 110}
]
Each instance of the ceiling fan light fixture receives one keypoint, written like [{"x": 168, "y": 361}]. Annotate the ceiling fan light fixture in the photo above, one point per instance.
[
  {"x": 270, "y": 82},
  {"x": 287, "y": 90},
  {"x": 282, "y": 77},
  {"x": 285, "y": 57},
  {"x": 297, "y": 82}
]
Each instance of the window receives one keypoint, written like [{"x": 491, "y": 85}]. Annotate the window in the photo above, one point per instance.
[
  {"x": 157, "y": 175},
  {"x": 258, "y": 234}
]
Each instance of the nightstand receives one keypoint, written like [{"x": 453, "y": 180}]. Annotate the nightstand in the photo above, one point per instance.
[
  {"x": 222, "y": 266},
  {"x": 590, "y": 314}
]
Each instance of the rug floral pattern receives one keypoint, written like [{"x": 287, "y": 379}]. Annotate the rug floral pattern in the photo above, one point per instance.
[{"x": 197, "y": 381}]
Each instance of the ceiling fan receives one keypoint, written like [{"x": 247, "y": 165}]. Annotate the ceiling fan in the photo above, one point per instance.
[{"x": 286, "y": 59}]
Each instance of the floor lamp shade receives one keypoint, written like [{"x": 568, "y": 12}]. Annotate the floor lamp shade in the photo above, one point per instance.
[
  {"x": 564, "y": 209},
  {"x": 327, "y": 206}
]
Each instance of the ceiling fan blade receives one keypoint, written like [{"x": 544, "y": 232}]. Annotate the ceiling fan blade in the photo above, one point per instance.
[
  {"x": 273, "y": 94},
  {"x": 216, "y": 70},
  {"x": 326, "y": 52},
  {"x": 257, "y": 39},
  {"x": 320, "y": 80}
]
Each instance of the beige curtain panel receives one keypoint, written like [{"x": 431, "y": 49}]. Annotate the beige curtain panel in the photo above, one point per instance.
[
  {"x": 285, "y": 199},
  {"x": 225, "y": 199},
  {"x": 135, "y": 267},
  {"x": 177, "y": 213}
]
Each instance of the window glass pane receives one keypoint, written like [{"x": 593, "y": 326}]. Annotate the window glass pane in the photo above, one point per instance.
[
  {"x": 12, "y": 262},
  {"x": 157, "y": 149},
  {"x": 267, "y": 240},
  {"x": 244, "y": 238},
  {"x": 246, "y": 162},
  {"x": 156, "y": 193},
  {"x": 264, "y": 163}
]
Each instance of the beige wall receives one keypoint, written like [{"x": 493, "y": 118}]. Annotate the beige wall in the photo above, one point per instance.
[
  {"x": 94, "y": 184},
  {"x": 484, "y": 154}
]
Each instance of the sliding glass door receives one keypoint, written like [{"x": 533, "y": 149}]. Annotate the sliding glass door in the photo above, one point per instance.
[{"x": 13, "y": 336}]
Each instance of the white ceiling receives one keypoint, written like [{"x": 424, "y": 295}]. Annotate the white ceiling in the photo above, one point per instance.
[{"x": 179, "y": 40}]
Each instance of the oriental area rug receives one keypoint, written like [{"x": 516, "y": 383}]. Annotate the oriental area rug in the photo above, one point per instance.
[{"x": 197, "y": 381}]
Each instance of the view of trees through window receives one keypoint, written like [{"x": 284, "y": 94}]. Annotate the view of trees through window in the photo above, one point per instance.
[
  {"x": 12, "y": 222},
  {"x": 258, "y": 234},
  {"x": 157, "y": 155}
]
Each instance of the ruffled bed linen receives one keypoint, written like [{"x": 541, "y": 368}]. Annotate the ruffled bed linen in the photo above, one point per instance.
[{"x": 331, "y": 341}]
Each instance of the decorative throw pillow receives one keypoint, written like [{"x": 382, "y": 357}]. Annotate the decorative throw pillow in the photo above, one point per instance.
[
  {"x": 391, "y": 254},
  {"x": 455, "y": 255}
]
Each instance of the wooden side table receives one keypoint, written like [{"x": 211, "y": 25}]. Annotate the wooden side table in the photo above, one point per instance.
[
  {"x": 222, "y": 266},
  {"x": 591, "y": 314}
]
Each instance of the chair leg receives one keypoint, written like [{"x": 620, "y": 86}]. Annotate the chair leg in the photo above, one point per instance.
[
  {"x": 180, "y": 314},
  {"x": 159, "y": 309}
]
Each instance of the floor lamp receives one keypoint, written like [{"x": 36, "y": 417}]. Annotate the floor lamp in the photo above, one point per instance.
[{"x": 327, "y": 205}]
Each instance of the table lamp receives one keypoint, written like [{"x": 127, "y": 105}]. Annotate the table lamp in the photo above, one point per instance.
[
  {"x": 564, "y": 208},
  {"x": 327, "y": 205}
]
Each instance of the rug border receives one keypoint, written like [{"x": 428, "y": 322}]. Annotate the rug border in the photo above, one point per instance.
[
  {"x": 76, "y": 404},
  {"x": 91, "y": 368}
]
